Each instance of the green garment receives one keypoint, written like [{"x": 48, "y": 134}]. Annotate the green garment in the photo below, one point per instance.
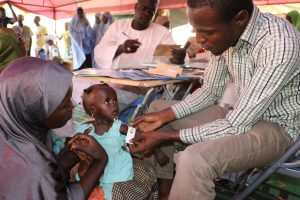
[
  {"x": 295, "y": 16},
  {"x": 9, "y": 47}
]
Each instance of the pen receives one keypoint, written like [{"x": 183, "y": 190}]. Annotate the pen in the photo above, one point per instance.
[{"x": 126, "y": 35}]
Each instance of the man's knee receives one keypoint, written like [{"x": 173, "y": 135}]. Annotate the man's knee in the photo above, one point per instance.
[
  {"x": 195, "y": 164},
  {"x": 159, "y": 105}
]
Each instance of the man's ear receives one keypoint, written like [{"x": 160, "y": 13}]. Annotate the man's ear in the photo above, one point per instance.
[
  {"x": 135, "y": 6},
  {"x": 241, "y": 18}
]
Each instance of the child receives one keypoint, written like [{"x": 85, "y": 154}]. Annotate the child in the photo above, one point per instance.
[
  {"x": 51, "y": 50},
  {"x": 100, "y": 102}
]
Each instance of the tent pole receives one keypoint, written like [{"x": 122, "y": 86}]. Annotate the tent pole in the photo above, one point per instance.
[{"x": 54, "y": 16}]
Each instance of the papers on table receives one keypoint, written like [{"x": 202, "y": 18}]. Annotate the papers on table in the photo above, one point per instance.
[
  {"x": 137, "y": 75},
  {"x": 196, "y": 64}
]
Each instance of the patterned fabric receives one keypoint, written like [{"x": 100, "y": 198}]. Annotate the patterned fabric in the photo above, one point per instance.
[
  {"x": 143, "y": 186},
  {"x": 264, "y": 66}
]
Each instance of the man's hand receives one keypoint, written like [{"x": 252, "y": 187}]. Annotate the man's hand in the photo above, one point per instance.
[
  {"x": 148, "y": 122},
  {"x": 178, "y": 56},
  {"x": 148, "y": 141},
  {"x": 145, "y": 141},
  {"x": 131, "y": 46}
]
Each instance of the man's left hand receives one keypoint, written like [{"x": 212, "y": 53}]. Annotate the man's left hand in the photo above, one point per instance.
[
  {"x": 145, "y": 141},
  {"x": 178, "y": 56}
]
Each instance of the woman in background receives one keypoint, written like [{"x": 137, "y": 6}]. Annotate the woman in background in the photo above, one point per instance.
[{"x": 81, "y": 34}]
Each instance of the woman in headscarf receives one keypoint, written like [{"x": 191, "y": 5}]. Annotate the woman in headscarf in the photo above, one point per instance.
[
  {"x": 97, "y": 28},
  {"x": 35, "y": 98},
  {"x": 294, "y": 17},
  {"x": 11, "y": 47},
  {"x": 102, "y": 23},
  {"x": 107, "y": 20},
  {"x": 81, "y": 35}
]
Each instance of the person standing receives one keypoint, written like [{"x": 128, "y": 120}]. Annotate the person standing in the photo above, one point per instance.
[
  {"x": 81, "y": 34},
  {"x": 26, "y": 33},
  {"x": 102, "y": 23},
  {"x": 40, "y": 33},
  {"x": 6, "y": 20},
  {"x": 67, "y": 42}
]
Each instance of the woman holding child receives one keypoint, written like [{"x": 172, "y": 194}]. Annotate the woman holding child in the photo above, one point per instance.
[{"x": 35, "y": 97}]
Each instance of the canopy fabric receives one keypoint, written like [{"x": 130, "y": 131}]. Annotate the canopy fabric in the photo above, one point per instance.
[{"x": 60, "y": 9}]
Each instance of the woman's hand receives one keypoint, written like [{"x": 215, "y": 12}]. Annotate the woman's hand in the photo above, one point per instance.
[{"x": 87, "y": 144}]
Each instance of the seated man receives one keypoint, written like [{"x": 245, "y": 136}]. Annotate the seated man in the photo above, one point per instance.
[
  {"x": 261, "y": 54},
  {"x": 130, "y": 42}
]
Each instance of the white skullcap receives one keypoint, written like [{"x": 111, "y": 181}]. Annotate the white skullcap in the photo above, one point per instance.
[{"x": 49, "y": 37}]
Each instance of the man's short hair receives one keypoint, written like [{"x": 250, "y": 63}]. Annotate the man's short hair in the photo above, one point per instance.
[{"x": 226, "y": 9}]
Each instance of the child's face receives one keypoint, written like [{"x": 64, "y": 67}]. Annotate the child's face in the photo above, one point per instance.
[{"x": 106, "y": 103}]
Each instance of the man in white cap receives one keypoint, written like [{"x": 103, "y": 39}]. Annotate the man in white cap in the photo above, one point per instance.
[{"x": 51, "y": 50}]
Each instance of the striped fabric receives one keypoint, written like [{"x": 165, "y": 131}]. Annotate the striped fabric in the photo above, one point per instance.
[{"x": 265, "y": 66}]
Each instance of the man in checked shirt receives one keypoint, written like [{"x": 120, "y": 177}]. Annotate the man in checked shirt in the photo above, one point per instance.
[{"x": 260, "y": 54}]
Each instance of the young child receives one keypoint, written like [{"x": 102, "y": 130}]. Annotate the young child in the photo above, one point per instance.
[
  {"x": 51, "y": 50},
  {"x": 100, "y": 101}
]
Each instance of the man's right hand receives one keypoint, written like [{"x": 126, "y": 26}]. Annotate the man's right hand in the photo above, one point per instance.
[
  {"x": 148, "y": 122},
  {"x": 131, "y": 46}
]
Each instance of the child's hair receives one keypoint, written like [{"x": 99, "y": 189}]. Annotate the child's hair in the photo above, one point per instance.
[{"x": 88, "y": 92}]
